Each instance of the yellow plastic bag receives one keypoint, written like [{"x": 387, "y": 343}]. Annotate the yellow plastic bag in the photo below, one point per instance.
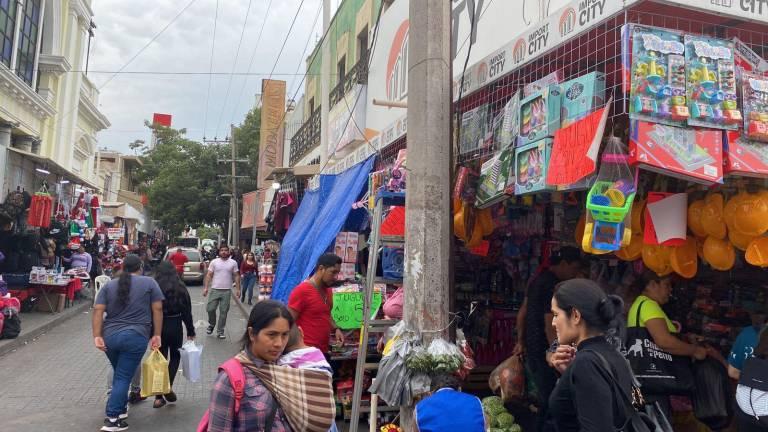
[{"x": 155, "y": 379}]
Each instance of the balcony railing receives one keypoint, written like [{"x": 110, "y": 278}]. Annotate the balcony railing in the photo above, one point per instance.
[
  {"x": 307, "y": 138},
  {"x": 357, "y": 75}
]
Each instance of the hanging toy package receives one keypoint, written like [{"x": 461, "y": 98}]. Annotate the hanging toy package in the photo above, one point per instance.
[{"x": 608, "y": 225}]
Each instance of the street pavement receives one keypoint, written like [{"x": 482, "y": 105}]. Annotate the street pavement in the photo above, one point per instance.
[{"x": 59, "y": 382}]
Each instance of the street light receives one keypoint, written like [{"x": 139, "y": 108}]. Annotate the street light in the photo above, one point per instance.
[{"x": 275, "y": 185}]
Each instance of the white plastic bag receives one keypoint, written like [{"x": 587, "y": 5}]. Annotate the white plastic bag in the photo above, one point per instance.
[{"x": 191, "y": 355}]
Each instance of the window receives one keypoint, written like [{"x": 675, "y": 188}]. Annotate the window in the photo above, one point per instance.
[
  {"x": 107, "y": 185},
  {"x": 7, "y": 27},
  {"x": 28, "y": 41},
  {"x": 362, "y": 44},
  {"x": 341, "y": 69}
]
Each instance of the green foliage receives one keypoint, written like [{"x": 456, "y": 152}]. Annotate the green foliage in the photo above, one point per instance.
[
  {"x": 180, "y": 179},
  {"x": 247, "y": 138},
  {"x": 208, "y": 232}
]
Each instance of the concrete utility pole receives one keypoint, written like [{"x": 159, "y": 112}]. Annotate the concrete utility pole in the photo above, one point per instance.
[
  {"x": 428, "y": 221},
  {"x": 325, "y": 84},
  {"x": 235, "y": 226}
]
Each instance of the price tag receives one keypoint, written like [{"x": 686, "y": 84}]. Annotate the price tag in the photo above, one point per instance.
[{"x": 348, "y": 309}]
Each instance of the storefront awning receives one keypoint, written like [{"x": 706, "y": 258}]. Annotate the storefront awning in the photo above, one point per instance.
[
  {"x": 321, "y": 215},
  {"x": 55, "y": 168},
  {"x": 122, "y": 210}
]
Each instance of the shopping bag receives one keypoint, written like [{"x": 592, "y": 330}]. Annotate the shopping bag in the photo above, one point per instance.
[
  {"x": 712, "y": 400},
  {"x": 191, "y": 355},
  {"x": 155, "y": 379},
  {"x": 508, "y": 379}
]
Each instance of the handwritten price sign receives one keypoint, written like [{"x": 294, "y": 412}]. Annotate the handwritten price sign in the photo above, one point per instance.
[{"x": 347, "y": 309}]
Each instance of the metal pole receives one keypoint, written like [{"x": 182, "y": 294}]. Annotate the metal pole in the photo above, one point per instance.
[
  {"x": 428, "y": 223},
  {"x": 325, "y": 84},
  {"x": 236, "y": 225},
  {"x": 253, "y": 227}
]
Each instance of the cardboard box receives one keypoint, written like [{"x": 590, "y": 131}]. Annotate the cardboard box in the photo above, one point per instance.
[
  {"x": 350, "y": 251},
  {"x": 540, "y": 115},
  {"x": 347, "y": 272},
  {"x": 744, "y": 157},
  {"x": 689, "y": 154},
  {"x": 340, "y": 248},
  {"x": 581, "y": 96},
  {"x": 531, "y": 162},
  {"x": 56, "y": 302}
]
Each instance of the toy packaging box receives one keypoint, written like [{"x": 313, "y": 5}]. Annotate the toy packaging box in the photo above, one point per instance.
[
  {"x": 495, "y": 176},
  {"x": 540, "y": 115},
  {"x": 657, "y": 88},
  {"x": 531, "y": 163},
  {"x": 754, "y": 92},
  {"x": 711, "y": 83},
  {"x": 350, "y": 252},
  {"x": 745, "y": 157},
  {"x": 689, "y": 154},
  {"x": 474, "y": 125},
  {"x": 552, "y": 79},
  {"x": 340, "y": 248},
  {"x": 581, "y": 96}
]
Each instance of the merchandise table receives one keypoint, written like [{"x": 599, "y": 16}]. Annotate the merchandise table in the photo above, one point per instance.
[{"x": 69, "y": 289}]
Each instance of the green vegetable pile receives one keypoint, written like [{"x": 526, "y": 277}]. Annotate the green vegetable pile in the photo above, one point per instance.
[
  {"x": 499, "y": 419},
  {"x": 424, "y": 362}
]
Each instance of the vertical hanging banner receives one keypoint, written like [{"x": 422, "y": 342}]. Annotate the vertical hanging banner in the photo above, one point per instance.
[
  {"x": 249, "y": 206},
  {"x": 272, "y": 129}
]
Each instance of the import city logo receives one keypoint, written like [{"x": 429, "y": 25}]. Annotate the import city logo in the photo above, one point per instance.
[
  {"x": 518, "y": 52},
  {"x": 482, "y": 73},
  {"x": 397, "y": 64},
  {"x": 567, "y": 21}
]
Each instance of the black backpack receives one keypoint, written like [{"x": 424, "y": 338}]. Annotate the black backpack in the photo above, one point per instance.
[
  {"x": 11, "y": 326},
  {"x": 755, "y": 377}
]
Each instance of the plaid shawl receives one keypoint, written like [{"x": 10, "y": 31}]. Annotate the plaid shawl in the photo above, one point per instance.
[{"x": 306, "y": 396}]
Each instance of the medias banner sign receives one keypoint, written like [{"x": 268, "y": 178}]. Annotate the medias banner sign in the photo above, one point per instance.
[
  {"x": 272, "y": 129},
  {"x": 566, "y": 23}
]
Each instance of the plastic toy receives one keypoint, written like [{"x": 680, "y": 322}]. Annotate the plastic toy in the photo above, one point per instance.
[
  {"x": 711, "y": 83},
  {"x": 581, "y": 96},
  {"x": 658, "y": 76},
  {"x": 755, "y": 100},
  {"x": 531, "y": 162},
  {"x": 540, "y": 115}
]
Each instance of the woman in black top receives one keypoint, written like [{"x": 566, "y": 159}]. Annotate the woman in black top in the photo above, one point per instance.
[
  {"x": 177, "y": 307},
  {"x": 587, "y": 398}
]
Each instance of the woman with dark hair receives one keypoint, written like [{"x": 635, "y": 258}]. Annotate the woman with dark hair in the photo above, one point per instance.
[
  {"x": 134, "y": 307},
  {"x": 587, "y": 397},
  {"x": 249, "y": 272},
  {"x": 177, "y": 307},
  {"x": 269, "y": 326}
]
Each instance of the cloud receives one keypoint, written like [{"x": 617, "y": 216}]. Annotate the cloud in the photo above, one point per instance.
[{"x": 124, "y": 27}]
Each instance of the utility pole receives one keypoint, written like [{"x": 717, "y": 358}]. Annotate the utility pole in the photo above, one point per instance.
[
  {"x": 428, "y": 221},
  {"x": 325, "y": 84},
  {"x": 233, "y": 231}
]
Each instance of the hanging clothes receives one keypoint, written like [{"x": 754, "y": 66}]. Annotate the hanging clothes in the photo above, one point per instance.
[{"x": 40, "y": 211}]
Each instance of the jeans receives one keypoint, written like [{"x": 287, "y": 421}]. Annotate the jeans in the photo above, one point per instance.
[
  {"x": 249, "y": 281},
  {"x": 218, "y": 298},
  {"x": 124, "y": 350}
]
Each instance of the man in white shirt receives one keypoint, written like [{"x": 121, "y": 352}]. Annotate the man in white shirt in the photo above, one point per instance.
[{"x": 222, "y": 274}]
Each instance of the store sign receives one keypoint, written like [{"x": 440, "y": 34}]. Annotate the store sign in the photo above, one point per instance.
[
  {"x": 249, "y": 208},
  {"x": 115, "y": 233},
  {"x": 347, "y": 309},
  {"x": 754, "y": 10},
  {"x": 567, "y": 23},
  {"x": 272, "y": 129},
  {"x": 347, "y": 120}
]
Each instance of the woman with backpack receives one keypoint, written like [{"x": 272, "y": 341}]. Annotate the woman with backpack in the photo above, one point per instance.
[
  {"x": 266, "y": 335},
  {"x": 587, "y": 397},
  {"x": 177, "y": 308},
  {"x": 752, "y": 391}
]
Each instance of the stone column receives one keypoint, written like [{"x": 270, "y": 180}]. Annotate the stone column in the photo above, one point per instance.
[{"x": 5, "y": 142}]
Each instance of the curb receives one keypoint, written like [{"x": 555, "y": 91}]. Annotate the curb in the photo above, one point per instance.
[{"x": 32, "y": 334}]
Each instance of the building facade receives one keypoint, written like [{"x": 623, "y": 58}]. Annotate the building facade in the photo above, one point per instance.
[{"x": 49, "y": 115}]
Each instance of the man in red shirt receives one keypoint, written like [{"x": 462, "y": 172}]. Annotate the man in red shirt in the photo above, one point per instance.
[
  {"x": 311, "y": 303},
  {"x": 179, "y": 259}
]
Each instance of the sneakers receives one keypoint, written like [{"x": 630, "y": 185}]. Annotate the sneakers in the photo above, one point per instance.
[
  {"x": 209, "y": 330},
  {"x": 115, "y": 425},
  {"x": 221, "y": 336}
]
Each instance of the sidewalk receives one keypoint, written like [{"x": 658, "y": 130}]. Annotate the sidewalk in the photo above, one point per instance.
[{"x": 59, "y": 382}]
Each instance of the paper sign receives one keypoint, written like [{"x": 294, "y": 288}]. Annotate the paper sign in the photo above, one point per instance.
[
  {"x": 669, "y": 216},
  {"x": 347, "y": 309},
  {"x": 575, "y": 149},
  {"x": 115, "y": 233}
]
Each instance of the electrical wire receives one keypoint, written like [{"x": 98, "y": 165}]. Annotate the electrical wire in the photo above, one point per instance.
[
  {"x": 234, "y": 65},
  {"x": 179, "y": 73},
  {"x": 303, "y": 57},
  {"x": 210, "y": 69},
  {"x": 290, "y": 29},
  {"x": 250, "y": 63}
]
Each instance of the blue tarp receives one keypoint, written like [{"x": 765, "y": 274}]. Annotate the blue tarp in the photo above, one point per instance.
[{"x": 319, "y": 219}]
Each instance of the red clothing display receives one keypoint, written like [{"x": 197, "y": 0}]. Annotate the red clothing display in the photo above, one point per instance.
[
  {"x": 178, "y": 259},
  {"x": 314, "y": 314}
]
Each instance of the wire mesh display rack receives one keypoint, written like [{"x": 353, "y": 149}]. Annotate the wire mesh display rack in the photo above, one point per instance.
[{"x": 600, "y": 50}]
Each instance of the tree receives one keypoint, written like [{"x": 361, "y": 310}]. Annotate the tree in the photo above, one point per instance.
[
  {"x": 180, "y": 178},
  {"x": 136, "y": 146},
  {"x": 248, "y": 138}
]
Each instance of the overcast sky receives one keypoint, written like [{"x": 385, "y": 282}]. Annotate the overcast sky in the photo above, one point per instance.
[{"x": 124, "y": 27}]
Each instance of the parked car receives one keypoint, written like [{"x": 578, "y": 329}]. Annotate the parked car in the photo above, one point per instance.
[{"x": 194, "y": 269}]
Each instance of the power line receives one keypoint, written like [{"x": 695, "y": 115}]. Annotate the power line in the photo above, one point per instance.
[
  {"x": 234, "y": 65},
  {"x": 161, "y": 72},
  {"x": 303, "y": 58},
  {"x": 250, "y": 63},
  {"x": 290, "y": 29},
  {"x": 210, "y": 69}
]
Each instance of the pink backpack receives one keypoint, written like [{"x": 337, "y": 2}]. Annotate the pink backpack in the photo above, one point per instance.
[{"x": 236, "y": 376}]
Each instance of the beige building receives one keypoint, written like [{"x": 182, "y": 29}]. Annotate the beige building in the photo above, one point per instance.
[
  {"x": 49, "y": 108},
  {"x": 122, "y": 204}
]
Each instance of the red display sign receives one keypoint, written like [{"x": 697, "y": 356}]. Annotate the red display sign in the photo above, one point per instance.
[
  {"x": 162, "y": 119},
  {"x": 574, "y": 151}
]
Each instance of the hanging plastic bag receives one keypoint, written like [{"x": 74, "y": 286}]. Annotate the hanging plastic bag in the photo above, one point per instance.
[
  {"x": 191, "y": 355},
  {"x": 508, "y": 379},
  {"x": 712, "y": 399},
  {"x": 609, "y": 202},
  {"x": 155, "y": 379}
]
